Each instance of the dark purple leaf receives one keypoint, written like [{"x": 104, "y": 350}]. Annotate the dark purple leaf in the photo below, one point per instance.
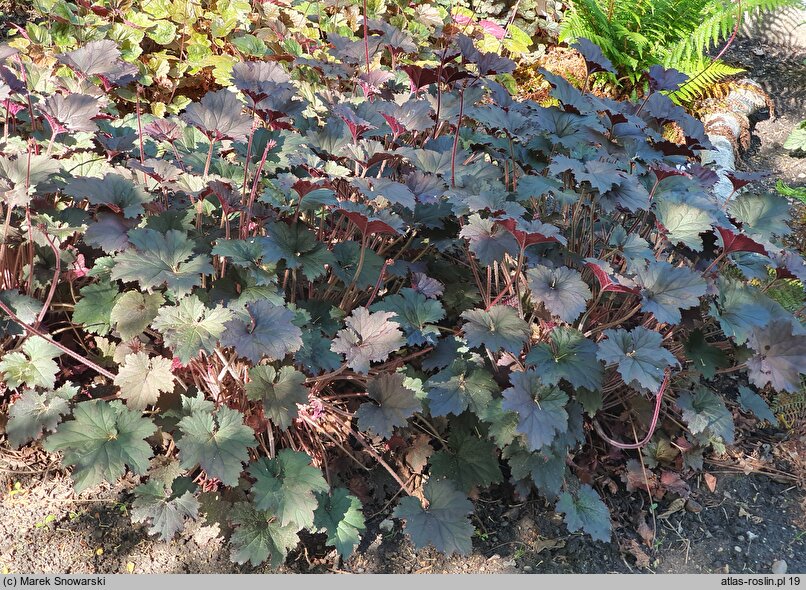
[
  {"x": 528, "y": 233},
  {"x": 71, "y": 113},
  {"x": 259, "y": 79},
  {"x": 352, "y": 51},
  {"x": 426, "y": 285},
  {"x": 708, "y": 177},
  {"x": 420, "y": 77},
  {"x": 667, "y": 289},
  {"x": 368, "y": 225},
  {"x": 780, "y": 358},
  {"x": 372, "y": 82},
  {"x": 100, "y": 58},
  {"x": 398, "y": 41},
  {"x": 790, "y": 264},
  {"x": 595, "y": 60},
  {"x": 662, "y": 171},
  {"x": 736, "y": 242},
  {"x": 665, "y": 79},
  {"x": 741, "y": 179},
  {"x": 163, "y": 130},
  {"x": 606, "y": 281},
  {"x": 219, "y": 116},
  {"x": 561, "y": 291}
]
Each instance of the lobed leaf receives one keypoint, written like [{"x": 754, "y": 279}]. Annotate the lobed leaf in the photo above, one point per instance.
[
  {"x": 279, "y": 391},
  {"x": 102, "y": 440},
  {"x": 218, "y": 444},
  {"x": 443, "y": 523},
  {"x": 396, "y": 403},
  {"x": 368, "y": 337},
  {"x": 287, "y": 486}
]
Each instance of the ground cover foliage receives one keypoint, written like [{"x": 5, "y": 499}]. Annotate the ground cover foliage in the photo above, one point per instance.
[{"x": 357, "y": 250}]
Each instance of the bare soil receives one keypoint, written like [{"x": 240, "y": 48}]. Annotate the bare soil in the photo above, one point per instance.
[{"x": 744, "y": 525}]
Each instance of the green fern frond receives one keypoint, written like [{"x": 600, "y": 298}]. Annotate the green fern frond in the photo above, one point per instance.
[
  {"x": 636, "y": 34},
  {"x": 718, "y": 23},
  {"x": 791, "y": 407},
  {"x": 703, "y": 74}
]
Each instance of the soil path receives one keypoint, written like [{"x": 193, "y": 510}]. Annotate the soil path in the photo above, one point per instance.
[{"x": 744, "y": 525}]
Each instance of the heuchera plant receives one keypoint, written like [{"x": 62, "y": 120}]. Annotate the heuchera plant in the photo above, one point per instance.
[{"x": 371, "y": 254}]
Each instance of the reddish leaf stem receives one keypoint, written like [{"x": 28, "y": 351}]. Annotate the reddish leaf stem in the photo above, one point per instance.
[{"x": 652, "y": 426}]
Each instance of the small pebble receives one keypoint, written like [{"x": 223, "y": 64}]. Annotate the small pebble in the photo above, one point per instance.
[
  {"x": 360, "y": 570},
  {"x": 720, "y": 550},
  {"x": 751, "y": 536},
  {"x": 740, "y": 538},
  {"x": 737, "y": 549},
  {"x": 464, "y": 566},
  {"x": 386, "y": 525},
  {"x": 693, "y": 506},
  {"x": 527, "y": 568},
  {"x": 779, "y": 567},
  {"x": 509, "y": 563},
  {"x": 494, "y": 556}
]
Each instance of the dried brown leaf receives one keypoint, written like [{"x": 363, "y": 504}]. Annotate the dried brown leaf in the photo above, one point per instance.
[
  {"x": 646, "y": 532},
  {"x": 642, "y": 560},
  {"x": 710, "y": 481}
]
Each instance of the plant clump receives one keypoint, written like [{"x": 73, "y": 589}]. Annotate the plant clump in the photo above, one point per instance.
[{"x": 362, "y": 252}]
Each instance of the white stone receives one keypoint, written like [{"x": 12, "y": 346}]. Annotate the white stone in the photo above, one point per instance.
[{"x": 779, "y": 567}]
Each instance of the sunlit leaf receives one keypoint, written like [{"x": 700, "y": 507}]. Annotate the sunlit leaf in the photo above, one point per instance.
[
  {"x": 101, "y": 441},
  {"x": 141, "y": 379},
  {"x": 216, "y": 443},
  {"x": 287, "y": 486},
  {"x": 368, "y": 337},
  {"x": 190, "y": 327}
]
